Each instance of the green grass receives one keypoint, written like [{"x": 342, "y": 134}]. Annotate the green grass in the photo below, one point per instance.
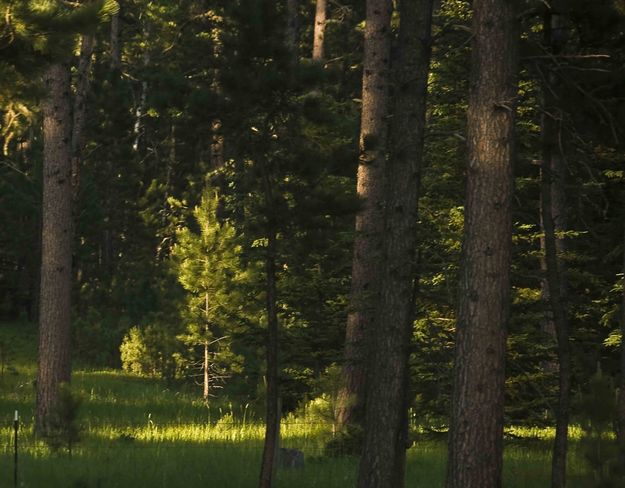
[{"x": 138, "y": 432}]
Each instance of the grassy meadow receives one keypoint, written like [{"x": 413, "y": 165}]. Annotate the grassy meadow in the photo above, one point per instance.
[{"x": 137, "y": 432}]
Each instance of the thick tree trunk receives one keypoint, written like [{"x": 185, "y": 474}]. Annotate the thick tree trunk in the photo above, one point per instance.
[
  {"x": 319, "y": 31},
  {"x": 476, "y": 431},
  {"x": 56, "y": 260},
  {"x": 383, "y": 460},
  {"x": 553, "y": 220},
  {"x": 368, "y": 251},
  {"x": 272, "y": 418}
]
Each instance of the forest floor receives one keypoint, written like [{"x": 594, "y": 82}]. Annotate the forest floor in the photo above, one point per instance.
[{"x": 140, "y": 433}]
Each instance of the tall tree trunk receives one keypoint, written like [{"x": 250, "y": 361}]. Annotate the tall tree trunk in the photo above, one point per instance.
[
  {"x": 621, "y": 397},
  {"x": 272, "y": 417},
  {"x": 476, "y": 431},
  {"x": 78, "y": 124},
  {"x": 273, "y": 414},
  {"x": 553, "y": 220},
  {"x": 292, "y": 32},
  {"x": 217, "y": 145},
  {"x": 383, "y": 461},
  {"x": 318, "y": 53},
  {"x": 368, "y": 242},
  {"x": 116, "y": 52},
  {"x": 56, "y": 258},
  {"x": 558, "y": 310},
  {"x": 141, "y": 104}
]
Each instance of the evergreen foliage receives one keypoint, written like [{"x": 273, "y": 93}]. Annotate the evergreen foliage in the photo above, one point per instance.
[{"x": 159, "y": 228}]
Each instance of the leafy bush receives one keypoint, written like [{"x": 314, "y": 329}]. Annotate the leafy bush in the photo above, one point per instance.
[{"x": 149, "y": 350}]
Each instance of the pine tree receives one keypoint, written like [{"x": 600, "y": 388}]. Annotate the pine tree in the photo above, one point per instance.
[
  {"x": 386, "y": 428},
  {"x": 208, "y": 264},
  {"x": 476, "y": 431},
  {"x": 368, "y": 241}
]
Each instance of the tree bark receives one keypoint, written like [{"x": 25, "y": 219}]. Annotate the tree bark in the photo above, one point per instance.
[
  {"x": 292, "y": 33},
  {"x": 553, "y": 220},
  {"x": 318, "y": 53},
  {"x": 141, "y": 105},
  {"x": 558, "y": 310},
  {"x": 56, "y": 259},
  {"x": 80, "y": 108},
  {"x": 476, "y": 430},
  {"x": 272, "y": 417},
  {"x": 217, "y": 145},
  {"x": 383, "y": 461},
  {"x": 116, "y": 52},
  {"x": 368, "y": 251},
  {"x": 621, "y": 397}
]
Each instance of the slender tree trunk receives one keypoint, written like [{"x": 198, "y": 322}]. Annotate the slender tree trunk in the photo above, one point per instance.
[
  {"x": 56, "y": 261},
  {"x": 318, "y": 53},
  {"x": 217, "y": 145},
  {"x": 141, "y": 104},
  {"x": 621, "y": 396},
  {"x": 217, "y": 137},
  {"x": 116, "y": 52},
  {"x": 272, "y": 415},
  {"x": 272, "y": 418},
  {"x": 292, "y": 32},
  {"x": 558, "y": 310},
  {"x": 78, "y": 129},
  {"x": 368, "y": 241},
  {"x": 383, "y": 461},
  {"x": 553, "y": 220},
  {"x": 206, "y": 364},
  {"x": 476, "y": 431}
]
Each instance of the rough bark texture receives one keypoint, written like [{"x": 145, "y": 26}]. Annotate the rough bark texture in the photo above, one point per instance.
[
  {"x": 476, "y": 432},
  {"x": 56, "y": 243},
  {"x": 383, "y": 461},
  {"x": 553, "y": 220},
  {"x": 318, "y": 53},
  {"x": 368, "y": 252}
]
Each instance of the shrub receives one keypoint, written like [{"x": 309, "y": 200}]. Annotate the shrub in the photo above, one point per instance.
[{"x": 149, "y": 351}]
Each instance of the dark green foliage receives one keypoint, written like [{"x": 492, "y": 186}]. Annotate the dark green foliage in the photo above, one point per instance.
[
  {"x": 597, "y": 403},
  {"x": 64, "y": 431},
  {"x": 296, "y": 131}
]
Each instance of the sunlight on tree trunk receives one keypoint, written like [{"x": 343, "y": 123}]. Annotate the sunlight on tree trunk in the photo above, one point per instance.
[
  {"x": 368, "y": 252},
  {"x": 56, "y": 262},
  {"x": 476, "y": 430}
]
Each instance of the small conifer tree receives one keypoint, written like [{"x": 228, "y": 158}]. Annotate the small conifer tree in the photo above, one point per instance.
[{"x": 208, "y": 267}]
